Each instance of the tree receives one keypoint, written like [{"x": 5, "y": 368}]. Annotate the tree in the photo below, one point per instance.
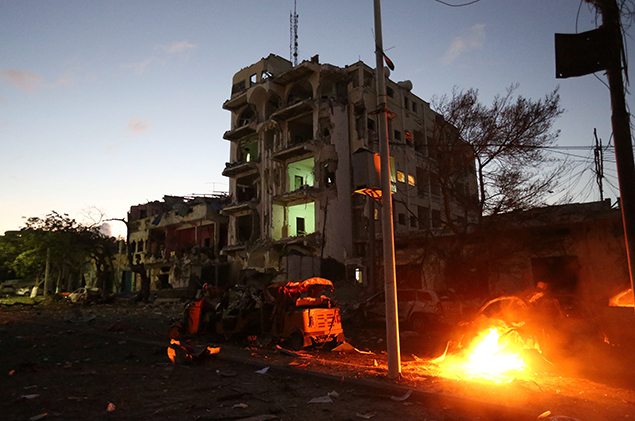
[
  {"x": 70, "y": 245},
  {"x": 508, "y": 141}
]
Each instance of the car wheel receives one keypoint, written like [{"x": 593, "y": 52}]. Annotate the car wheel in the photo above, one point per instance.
[
  {"x": 295, "y": 341},
  {"x": 418, "y": 322}
]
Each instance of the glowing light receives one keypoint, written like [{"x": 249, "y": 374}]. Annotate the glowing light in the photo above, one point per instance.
[{"x": 497, "y": 354}]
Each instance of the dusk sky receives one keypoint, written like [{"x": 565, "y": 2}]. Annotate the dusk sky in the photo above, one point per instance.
[{"x": 108, "y": 104}]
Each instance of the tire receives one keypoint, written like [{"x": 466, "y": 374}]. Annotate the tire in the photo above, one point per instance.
[
  {"x": 418, "y": 322},
  {"x": 295, "y": 342}
]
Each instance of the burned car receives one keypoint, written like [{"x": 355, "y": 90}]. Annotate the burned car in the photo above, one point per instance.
[
  {"x": 418, "y": 308},
  {"x": 303, "y": 314}
]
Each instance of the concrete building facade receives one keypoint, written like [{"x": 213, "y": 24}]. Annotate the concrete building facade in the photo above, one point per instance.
[
  {"x": 303, "y": 141},
  {"x": 178, "y": 241}
]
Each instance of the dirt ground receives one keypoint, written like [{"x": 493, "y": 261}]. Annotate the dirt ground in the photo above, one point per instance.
[{"x": 67, "y": 362}]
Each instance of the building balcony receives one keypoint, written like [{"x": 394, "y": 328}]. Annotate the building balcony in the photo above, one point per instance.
[
  {"x": 240, "y": 168},
  {"x": 299, "y": 195},
  {"x": 236, "y": 101},
  {"x": 297, "y": 148},
  {"x": 239, "y": 206},
  {"x": 293, "y": 110},
  {"x": 240, "y": 132}
]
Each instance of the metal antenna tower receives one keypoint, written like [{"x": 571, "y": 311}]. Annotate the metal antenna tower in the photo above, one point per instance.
[{"x": 293, "y": 36}]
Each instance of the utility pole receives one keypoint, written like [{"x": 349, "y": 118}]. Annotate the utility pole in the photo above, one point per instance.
[
  {"x": 598, "y": 155},
  {"x": 390, "y": 284},
  {"x": 620, "y": 122}
]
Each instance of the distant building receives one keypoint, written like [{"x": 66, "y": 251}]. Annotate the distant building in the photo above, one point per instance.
[
  {"x": 578, "y": 249},
  {"x": 303, "y": 141},
  {"x": 178, "y": 240}
]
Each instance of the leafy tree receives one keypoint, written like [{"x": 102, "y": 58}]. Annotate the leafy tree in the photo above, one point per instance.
[
  {"x": 508, "y": 141},
  {"x": 70, "y": 246}
]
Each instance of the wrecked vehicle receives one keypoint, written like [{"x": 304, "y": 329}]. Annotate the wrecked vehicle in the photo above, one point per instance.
[
  {"x": 418, "y": 308},
  {"x": 84, "y": 295},
  {"x": 303, "y": 315}
]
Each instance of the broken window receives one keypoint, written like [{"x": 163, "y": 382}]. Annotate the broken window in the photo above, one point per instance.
[
  {"x": 292, "y": 221},
  {"x": 436, "y": 218},
  {"x": 414, "y": 106},
  {"x": 301, "y": 173},
  {"x": 423, "y": 216},
  {"x": 244, "y": 228},
  {"x": 248, "y": 151},
  {"x": 299, "y": 92},
  {"x": 299, "y": 225},
  {"x": 245, "y": 189},
  {"x": 390, "y": 92},
  {"x": 266, "y": 74},
  {"x": 253, "y": 79},
  {"x": 405, "y": 102},
  {"x": 422, "y": 188},
  {"x": 419, "y": 141},
  {"x": 329, "y": 176},
  {"x": 397, "y": 135},
  {"x": 401, "y": 218},
  {"x": 300, "y": 130},
  {"x": 272, "y": 104},
  {"x": 246, "y": 116},
  {"x": 413, "y": 221}
]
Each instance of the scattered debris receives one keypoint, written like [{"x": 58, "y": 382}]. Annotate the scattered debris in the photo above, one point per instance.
[
  {"x": 290, "y": 352},
  {"x": 39, "y": 416},
  {"x": 111, "y": 407},
  {"x": 322, "y": 399},
  {"x": 366, "y": 416},
  {"x": 11, "y": 373},
  {"x": 184, "y": 353},
  {"x": 333, "y": 394},
  {"x": 240, "y": 406},
  {"x": 226, "y": 373},
  {"x": 402, "y": 398},
  {"x": 264, "y": 417},
  {"x": 30, "y": 396},
  {"x": 263, "y": 370}
]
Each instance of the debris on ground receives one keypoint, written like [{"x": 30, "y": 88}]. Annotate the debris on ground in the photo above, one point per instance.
[{"x": 403, "y": 397}]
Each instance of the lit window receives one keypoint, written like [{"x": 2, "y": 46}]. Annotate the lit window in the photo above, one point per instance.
[
  {"x": 401, "y": 177},
  {"x": 359, "y": 275},
  {"x": 411, "y": 180},
  {"x": 376, "y": 214}
]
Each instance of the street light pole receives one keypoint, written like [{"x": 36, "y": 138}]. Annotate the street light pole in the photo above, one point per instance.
[{"x": 390, "y": 285}]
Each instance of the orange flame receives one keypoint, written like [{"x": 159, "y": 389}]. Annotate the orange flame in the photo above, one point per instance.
[
  {"x": 623, "y": 299},
  {"x": 497, "y": 354},
  {"x": 172, "y": 351}
]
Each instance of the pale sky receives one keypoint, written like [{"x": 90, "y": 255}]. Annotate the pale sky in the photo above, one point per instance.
[{"x": 108, "y": 104}]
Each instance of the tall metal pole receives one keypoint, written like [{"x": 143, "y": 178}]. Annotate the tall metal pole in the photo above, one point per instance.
[
  {"x": 620, "y": 121},
  {"x": 390, "y": 285}
]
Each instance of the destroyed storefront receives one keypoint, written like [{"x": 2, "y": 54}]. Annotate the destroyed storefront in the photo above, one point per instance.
[{"x": 178, "y": 242}]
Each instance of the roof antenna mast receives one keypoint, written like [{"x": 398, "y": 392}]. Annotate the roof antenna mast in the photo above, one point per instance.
[{"x": 293, "y": 37}]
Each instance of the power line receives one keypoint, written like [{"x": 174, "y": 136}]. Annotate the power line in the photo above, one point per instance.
[{"x": 457, "y": 5}]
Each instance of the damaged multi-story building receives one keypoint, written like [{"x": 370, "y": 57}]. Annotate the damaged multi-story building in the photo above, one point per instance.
[
  {"x": 303, "y": 142},
  {"x": 178, "y": 241}
]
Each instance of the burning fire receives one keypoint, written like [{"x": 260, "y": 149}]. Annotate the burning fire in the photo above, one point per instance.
[
  {"x": 623, "y": 299},
  {"x": 497, "y": 354}
]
